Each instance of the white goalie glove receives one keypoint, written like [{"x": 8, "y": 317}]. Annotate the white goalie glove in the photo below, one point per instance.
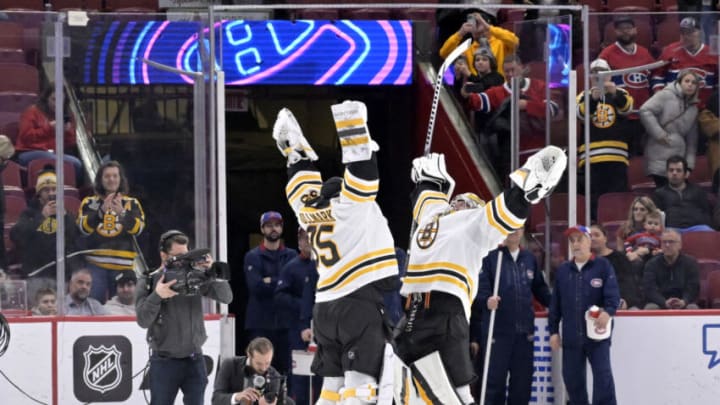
[
  {"x": 351, "y": 124},
  {"x": 290, "y": 139},
  {"x": 541, "y": 173},
  {"x": 432, "y": 168}
]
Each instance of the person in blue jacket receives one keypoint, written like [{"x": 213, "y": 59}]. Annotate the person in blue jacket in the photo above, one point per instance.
[
  {"x": 512, "y": 349},
  {"x": 294, "y": 279},
  {"x": 580, "y": 283},
  {"x": 262, "y": 271}
]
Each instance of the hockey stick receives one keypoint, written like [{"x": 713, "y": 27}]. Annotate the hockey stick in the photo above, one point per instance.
[
  {"x": 491, "y": 327},
  {"x": 438, "y": 86}
]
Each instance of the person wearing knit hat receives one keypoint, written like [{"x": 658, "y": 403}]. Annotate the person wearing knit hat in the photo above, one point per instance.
[{"x": 35, "y": 232}]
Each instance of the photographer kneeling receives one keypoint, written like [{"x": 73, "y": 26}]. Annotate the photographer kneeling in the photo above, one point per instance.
[
  {"x": 251, "y": 379},
  {"x": 169, "y": 305}
]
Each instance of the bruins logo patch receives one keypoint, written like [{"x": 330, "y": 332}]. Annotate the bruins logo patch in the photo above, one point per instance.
[
  {"x": 426, "y": 236},
  {"x": 604, "y": 116}
]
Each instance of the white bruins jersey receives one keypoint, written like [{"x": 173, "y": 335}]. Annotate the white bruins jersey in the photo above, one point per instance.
[
  {"x": 446, "y": 250},
  {"x": 350, "y": 237}
]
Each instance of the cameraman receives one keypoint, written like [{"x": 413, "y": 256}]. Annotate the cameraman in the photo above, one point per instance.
[
  {"x": 176, "y": 330},
  {"x": 251, "y": 379}
]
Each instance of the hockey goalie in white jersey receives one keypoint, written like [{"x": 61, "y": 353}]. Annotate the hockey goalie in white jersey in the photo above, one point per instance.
[
  {"x": 354, "y": 251},
  {"x": 446, "y": 253}
]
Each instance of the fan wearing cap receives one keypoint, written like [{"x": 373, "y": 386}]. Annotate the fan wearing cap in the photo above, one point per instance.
[
  {"x": 354, "y": 250},
  {"x": 124, "y": 302},
  {"x": 689, "y": 53},
  {"x": 34, "y": 234},
  {"x": 608, "y": 148},
  {"x": 263, "y": 265},
  {"x": 580, "y": 283}
]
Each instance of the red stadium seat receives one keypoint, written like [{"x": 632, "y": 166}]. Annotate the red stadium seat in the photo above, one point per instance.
[
  {"x": 25, "y": 78},
  {"x": 707, "y": 266},
  {"x": 11, "y": 130},
  {"x": 36, "y": 5},
  {"x": 558, "y": 203},
  {"x": 137, "y": 5},
  {"x": 14, "y": 206},
  {"x": 714, "y": 289},
  {"x": 7, "y": 117},
  {"x": 702, "y": 245},
  {"x": 632, "y": 6},
  {"x": 638, "y": 181},
  {"x": 72, "y": 205},
  {"x": 366, "y": 14},
  {"x": 11, "y": 36},
  {"x": 614, "y": 206},
  {"x": 94, "y": 5},
  {"x": 16, "y": 102},
  {"x": 12, "y": 55},
  {"x": 318, "y": 14},
  {"x": 11, "y": 175},
  {"x": 415, "y": 14},
  {"x": 667, "y": 31},
  {"x": 35, "y": 166},
  {"x": 597, "y": 5}
]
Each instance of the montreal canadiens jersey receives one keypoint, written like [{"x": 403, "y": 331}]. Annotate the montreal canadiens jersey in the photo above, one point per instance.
[
  {"x": 701, "y": 62},
  {"x": 446, "y": 251},
  {"x": 636, "y": 83},
  {"x": 350, "y": 238}
]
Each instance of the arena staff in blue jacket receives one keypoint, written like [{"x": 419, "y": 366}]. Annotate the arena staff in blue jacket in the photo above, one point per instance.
[
  {"x": 579, "y": 284},
  {"x": 513, "y": 345},
  {"x": 262, "y": 271}
]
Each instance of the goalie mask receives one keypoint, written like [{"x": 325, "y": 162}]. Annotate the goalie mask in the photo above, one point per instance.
[{"x": 466, "y": 201}]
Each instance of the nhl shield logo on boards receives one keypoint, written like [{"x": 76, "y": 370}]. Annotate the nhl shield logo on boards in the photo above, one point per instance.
[{"x": 102, "y": 368}]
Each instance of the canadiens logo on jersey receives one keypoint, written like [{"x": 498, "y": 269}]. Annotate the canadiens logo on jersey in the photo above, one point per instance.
[
  {"x": 636, "y": 80},
  {"x": 604, "y": 116},
  {"x": 426, "y": 236}
]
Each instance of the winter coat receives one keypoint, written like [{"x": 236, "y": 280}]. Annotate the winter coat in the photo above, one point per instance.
[{"x": 668, "y": 111}]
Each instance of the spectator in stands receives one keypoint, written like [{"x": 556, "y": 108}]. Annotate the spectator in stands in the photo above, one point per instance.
[
  {"x": 628, "y": 279},
  {"x": 626, "y": 53},
  {"x": 707, "y": 19},
  {"x": 124, "y": 302},
  {"x": 262, "y": 272},
  {"x": 608, "y": 135},
  {"x": 636, "y": 219},
  {"x": 644, "y": 245},
  {"x": 7, "y": 150},
  {"x": 670, "y": 119},
  {"x": 688, "y": 53},
  {"x": 499, "y": 40},
  {"x": 78, "y": 300},
  {"x": 532, "y": 105},
  {"x": 671, "y": 280},
  {"x": 36, "y": 132},
  {"x": 45, "y": 299},
  {"x": 110, "y": 220},
  {"x": 685, "y": 204},
  {"x": 710, "y": 127},
  {"x": 35, "y": 234},
  {"x": 288, "y": 300}
]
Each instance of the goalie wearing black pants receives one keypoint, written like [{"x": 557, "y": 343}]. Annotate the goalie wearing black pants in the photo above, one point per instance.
[
  {"x": 446, "y": 253},
  {"x": 355, "y": 256}
]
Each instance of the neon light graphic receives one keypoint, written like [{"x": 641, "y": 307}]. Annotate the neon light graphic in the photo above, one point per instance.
[{"x": 302, "y": 52}]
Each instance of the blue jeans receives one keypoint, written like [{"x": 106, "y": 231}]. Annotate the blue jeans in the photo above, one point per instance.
[
  {"x": 103, "y": 283},
  {"x": 26, "y": 157},
  {"x": 168, "y": 375}
]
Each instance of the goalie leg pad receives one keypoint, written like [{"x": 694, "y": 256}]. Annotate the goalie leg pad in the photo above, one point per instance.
[
  {"x": 351, "y": 124},
  {"x": 359, "y": 389},
  {"x": 432, "y": 379},
  {"x": 330, "y": 393}
]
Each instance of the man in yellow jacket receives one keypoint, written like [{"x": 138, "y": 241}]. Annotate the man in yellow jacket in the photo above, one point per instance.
[{"x": 500, "y": 41}]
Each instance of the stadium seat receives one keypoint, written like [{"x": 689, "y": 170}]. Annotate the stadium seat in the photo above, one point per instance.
[
  {"x": 14, "y": 206},
  {"x": 11, "y": 175},
  {"x": 35, "y": 5},
  {"x": 11, "y": 36},
  {"x": 365, "y": 14},
  {"x": 614, "y": 206},
  {"x": 702, "y": 245},
  {"x": 72, "y": 205},
  {"x": 667, "y": 32},
  {"x": 707, "y": 266},
  {"x": 713, "y": 281},
  {"x": 92, "y": 5},
  {"x": 318, "y": 14},
  {"x": 702, "y": 296},
  {"x": 638, "y": 181},
  {"x": 35, "y": 166},
  {"x": 25, "y": 78},
  {"x": 630, "y": 6},
  {"x": 415, "y": 14},
  {"x": 10, "y": 130},
  {"x": 16, "y": 102},
  {"x": 597, "y": 5},
  {"x": 130, "y": 5},
  {"x": 558, "y": 203}
]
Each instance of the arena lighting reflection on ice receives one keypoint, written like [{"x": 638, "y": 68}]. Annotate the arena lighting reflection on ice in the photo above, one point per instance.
[{"x": 275, "y": 52}]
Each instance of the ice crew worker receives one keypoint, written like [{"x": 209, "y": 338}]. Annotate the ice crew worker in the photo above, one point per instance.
[{"x": 580, "y": 283}]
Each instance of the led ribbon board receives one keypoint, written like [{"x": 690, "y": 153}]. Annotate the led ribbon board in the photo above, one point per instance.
[{"x": 276, "y": 52}]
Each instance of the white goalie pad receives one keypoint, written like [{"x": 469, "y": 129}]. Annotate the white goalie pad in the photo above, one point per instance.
[
  {"x": 351, "y": 124},
  {"x": 424, "y": 382}
]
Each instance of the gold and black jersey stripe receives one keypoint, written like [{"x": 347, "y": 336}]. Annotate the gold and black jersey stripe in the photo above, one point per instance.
[
  {"x": 500, "y": 218},
  {"x": 302, "y": 183},
  {"x": 362, "y": 265},
  {"x": 425, "y": 200},
  {"x": 444, "y": 272},
  {"x": 357, "y": 189},
  {"x": 605, "y": 151}
]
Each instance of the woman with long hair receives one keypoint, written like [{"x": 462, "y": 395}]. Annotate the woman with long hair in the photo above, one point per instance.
[{"x": 639, "y": 208}]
